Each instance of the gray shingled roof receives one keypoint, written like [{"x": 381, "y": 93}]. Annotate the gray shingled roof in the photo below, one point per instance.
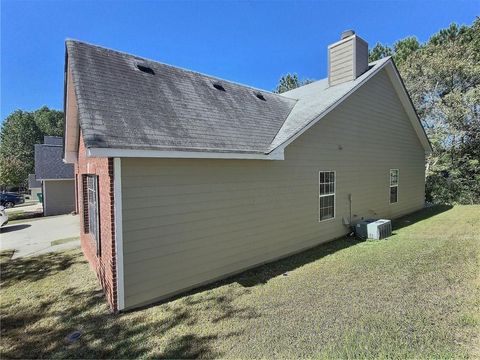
[
  {"x": 49, "y": 163},
  {"x": 124, "y": 108},
  {"x": 33, "y": 182},
  {"x": 121, "y": 107}
]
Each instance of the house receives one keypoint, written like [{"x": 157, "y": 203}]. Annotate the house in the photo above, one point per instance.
[
  {"x": 34, "y": 186},
  {"x": 56, "y": 177},
  {"x": 185, "y": 178}
]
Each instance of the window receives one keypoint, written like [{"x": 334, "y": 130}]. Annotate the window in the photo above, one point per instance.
[
  {"x": 393, "y": 186},
  {"x": 326, "y": 180},
  {"x": 92, "y": 209}
]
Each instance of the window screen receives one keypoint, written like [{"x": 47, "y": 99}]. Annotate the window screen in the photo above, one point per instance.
[
  {"x": 92, "y": 199},
  {"x": 394, "y": 185},
  {"x": 326, "y": 195}
]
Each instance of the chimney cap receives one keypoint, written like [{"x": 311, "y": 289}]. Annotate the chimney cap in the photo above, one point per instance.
[{"x": 346, "y": 34}]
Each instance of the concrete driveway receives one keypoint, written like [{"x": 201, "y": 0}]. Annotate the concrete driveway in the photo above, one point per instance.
[{"x": 34, "y": 237}]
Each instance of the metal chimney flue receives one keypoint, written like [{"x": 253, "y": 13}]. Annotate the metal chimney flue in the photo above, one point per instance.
[{"x": 346, "y": 34}]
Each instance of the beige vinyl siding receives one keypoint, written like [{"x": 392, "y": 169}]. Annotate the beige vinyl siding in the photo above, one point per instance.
[
  {"x": 58, "y": 197},
  {"x": 189, "y": 221},
  {"x": 341, "y": 63}
]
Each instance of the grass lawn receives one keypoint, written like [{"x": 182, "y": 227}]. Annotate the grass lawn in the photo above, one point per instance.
[{"x": 414, "y": 295}]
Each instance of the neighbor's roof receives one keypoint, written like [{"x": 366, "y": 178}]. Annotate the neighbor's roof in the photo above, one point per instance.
[
  {"x": 171, "y": 109},
  {"x": 48, "y": 160},
  {"x": 33, "y": 182}
]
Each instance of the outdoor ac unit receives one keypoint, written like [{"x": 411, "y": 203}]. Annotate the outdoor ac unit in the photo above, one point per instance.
[{"x": 374, "y": 229}]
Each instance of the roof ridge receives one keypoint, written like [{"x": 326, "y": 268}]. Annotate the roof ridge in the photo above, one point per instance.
[{"x": 177, "y": 67}]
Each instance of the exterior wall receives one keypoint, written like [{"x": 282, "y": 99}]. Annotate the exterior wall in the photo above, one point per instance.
[
  {"x": 104, "y": 264},
  {"x": 58, "y": 197},
  {"x": 187, "y": 222}
]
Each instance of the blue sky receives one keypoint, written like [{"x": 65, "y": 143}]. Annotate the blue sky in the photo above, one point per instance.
[{"x": 251, "y": 42}]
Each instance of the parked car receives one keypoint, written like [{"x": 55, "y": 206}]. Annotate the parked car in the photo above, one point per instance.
[
  {"x": 9, "y": 200},
  {"x": 3, "y": 216}
]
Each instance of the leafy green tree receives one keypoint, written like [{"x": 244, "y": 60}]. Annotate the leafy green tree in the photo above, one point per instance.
[
  {"x": 379, "y": 51},
  {"x": 49, "y": 121},
  {"x": 289, "y": 82},
  {"x": 20, "y": 131},
  {"x": 443, "y": 79}
]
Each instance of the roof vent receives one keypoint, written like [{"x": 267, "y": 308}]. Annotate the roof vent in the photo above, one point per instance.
[
  {"x": 346, "y": 34},
  {"x": 145, "y": 69},
  {"x": 218, "y": 87},
  {"x": 260, "y": 96}
]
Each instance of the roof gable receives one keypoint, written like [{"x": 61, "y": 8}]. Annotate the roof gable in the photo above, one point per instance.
[{"x": 317, "y": 99}]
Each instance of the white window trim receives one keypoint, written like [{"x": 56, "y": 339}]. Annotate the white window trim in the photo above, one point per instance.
[
  {"x": 390, "y": 185},
  {"x": 334, "y": 195}
]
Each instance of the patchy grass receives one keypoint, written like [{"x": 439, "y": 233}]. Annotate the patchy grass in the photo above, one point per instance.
[
  {"x": 415, "y": 295},
  {"x": 64, "y": 241},
  {"x": 17, "y": 215},
  {"x": 6, "y": 255}
]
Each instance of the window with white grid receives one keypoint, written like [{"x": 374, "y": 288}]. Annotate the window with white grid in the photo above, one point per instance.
[
  {"x": 394, "y": 173},
  {"x": 326, "y": 201}
]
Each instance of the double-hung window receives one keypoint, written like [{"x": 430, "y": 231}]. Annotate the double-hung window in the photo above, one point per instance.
[
  {"x": 326, "y": 181},
  {"x": 92, "y": 209},
  {"x": 394, "y": 185}
]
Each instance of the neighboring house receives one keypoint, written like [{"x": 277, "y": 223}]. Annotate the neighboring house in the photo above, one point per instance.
[
  {"x": 185, "y": 178},
  {"x": 56, "y": 177},
  {"x": 34, "y": 186}
]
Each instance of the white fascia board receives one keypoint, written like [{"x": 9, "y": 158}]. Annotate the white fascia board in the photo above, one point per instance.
[
  {"x": 408, "y": 107},
  {"x": 287, "y": 142},
  {"x": 117, "y": 204},
  {"x": 108, "y": 152}
]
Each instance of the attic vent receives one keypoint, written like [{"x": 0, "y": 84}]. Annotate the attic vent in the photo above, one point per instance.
[
  {"x": 145, "y": 69},
  {"x": 260, "y": 96},
  {"x": 218, "y": 87}
]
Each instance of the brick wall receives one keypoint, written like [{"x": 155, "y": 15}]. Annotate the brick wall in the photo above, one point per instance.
[{"x": 103, "y": 264}]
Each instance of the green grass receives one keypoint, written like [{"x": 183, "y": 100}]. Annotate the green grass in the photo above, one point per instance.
[
  {"x": 414, "y": 295},
  {"x": 64, "y": 241}
]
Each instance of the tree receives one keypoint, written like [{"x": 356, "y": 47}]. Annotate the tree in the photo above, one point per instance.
[
  {"x": 49, "y": 121},
  {"x": 443, "y": 80},
  {"x": 379, "y": 51},
  {"x": 289, "y": 82},
  {"x": 20, "y": 131}
]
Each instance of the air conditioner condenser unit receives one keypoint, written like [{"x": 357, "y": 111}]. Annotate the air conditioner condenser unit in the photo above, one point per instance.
[{"x": 374, "y": 229}]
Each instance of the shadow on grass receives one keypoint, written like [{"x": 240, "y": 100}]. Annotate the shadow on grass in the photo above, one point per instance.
[
  {"x": 38, "y": 326},
  {"x": 10, "y": 228},
  {"x": 34, "y": 268},
  {"x": 419, "y": 215}
]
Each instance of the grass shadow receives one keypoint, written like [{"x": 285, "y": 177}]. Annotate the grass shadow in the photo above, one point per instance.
[
  {"x": 34, "y": 268},
  {"x": 11, "y": 228},
  {"x": 419, "y": 215}
]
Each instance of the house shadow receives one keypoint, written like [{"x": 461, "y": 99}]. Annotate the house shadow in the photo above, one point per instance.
[
  {"x": 263, "y": 273},
  {"x": 11, "y": 228},
  {"x": 419, "y": 215}
]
